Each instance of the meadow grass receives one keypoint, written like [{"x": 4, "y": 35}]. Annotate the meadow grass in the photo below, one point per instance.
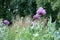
[{"x": 39, "y": 31}]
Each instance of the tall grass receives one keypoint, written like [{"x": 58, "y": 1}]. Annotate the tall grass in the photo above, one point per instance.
[{"x": 39, "y": 31}]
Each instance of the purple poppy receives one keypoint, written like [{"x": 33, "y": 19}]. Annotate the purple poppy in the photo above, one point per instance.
[
  {"x": 36, "y": 16},
  {"x": 32, "y": 23},
  {"x": 6, "y": 22},
  {"x": 41, "y": 11}
]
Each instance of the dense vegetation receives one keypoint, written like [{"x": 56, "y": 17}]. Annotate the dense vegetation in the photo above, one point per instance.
[
  {"x": 10, "y": 8},
  {"x": 40, "y": 30}
]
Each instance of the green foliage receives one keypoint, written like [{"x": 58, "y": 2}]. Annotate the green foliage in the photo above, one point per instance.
[
  {"x": 14, "y": 7},
  {"x": 36, "y": 32},
  {"x": 27, "y": 7},
  {"x": 58, "y": 21}
]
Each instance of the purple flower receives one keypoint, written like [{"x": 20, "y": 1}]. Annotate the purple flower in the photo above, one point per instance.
[
  {"x": 36, "y": 16},
  {"x": 41, "y": 11},
  {"x": 6, "y": 22},
  {"x": 32, "y": 23}
]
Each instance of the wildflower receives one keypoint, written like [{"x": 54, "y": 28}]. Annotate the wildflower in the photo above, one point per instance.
[
  {"x": 36, "y": 16},
  {"x": 32, "y": 23},
  {"x": 6, "y": 22},
  {"x": 41, "y": 11}
]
